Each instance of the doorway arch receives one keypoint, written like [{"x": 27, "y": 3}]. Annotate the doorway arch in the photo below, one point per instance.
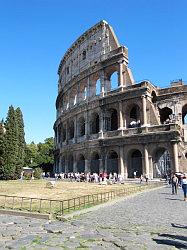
[
  {"x": 70, "y": 164},
  {"x": 112, "y": 162},
  {"x": 161, "y": 163},
  {"x": 94, "y": 166},
  {"x": 135, "y": 163},
  {"x": 81, "y": 164}
]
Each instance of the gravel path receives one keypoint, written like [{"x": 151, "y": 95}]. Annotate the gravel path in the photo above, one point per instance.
[{"x": 150, "y": 220}]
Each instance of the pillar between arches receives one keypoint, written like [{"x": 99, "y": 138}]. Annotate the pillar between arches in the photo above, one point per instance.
[
  {"x": 175, "y": 157},
  {"x": 146, "y": 160},
  {"x": 121, "y": 162}
]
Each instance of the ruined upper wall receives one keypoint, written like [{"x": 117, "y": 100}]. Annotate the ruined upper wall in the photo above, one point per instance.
[{"x": 87, "y": 51}]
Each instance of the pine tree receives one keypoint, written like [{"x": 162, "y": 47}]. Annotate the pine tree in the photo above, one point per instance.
[
  {"x": 11, "y": 145},
  {"x": 20, "y": 142}
]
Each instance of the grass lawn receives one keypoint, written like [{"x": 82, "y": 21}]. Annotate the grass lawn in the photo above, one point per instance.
[
  {"x": 63, "y": 190},
  {"x": 58, "y": 197}
]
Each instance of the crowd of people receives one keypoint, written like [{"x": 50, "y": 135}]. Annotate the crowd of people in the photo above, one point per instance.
[
  {"x": 90, "y": 177},
  {"x": 178, "y": 180}
]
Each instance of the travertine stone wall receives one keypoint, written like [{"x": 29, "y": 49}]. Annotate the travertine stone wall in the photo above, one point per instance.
[{"x": 134, "y": 126}]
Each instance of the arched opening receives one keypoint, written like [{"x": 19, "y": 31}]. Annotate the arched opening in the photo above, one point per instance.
[
  {"x": 112, "y": 163},
  {"x": 81, "y": 164},
  {"x": 114, "y": 119},
  {"x": 71, "y": 130},
  {"x": 184, "y": 114},
  {"x": 165, "y": 115},
  {"x": 81, "y": 126},
  {"x": 114, "y": 80},
  {"x": 70, "y": 164},
  {"x": 154, "y": 97},
  {"x": 59, "y": 133},
  {"x": 186, "y": 155},
  {"x": 94, "y": 166},
  {"x": 134, "y": 116},
  {"x": 62, "y": 165},
  {"x": 63, "y": 133},
  {"x": 161, "y": 163},
  {"x": 135, "y": 164},
  {"x": 94, "y": 126},
  {"x": 98, "y": 87},
  {"x": 84, "y": 55}
]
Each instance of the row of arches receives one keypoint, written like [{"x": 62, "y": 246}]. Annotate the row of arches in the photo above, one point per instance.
[
  {"x": 87, "y": 89},
  {"x": 160, "y": 162},
  {"x": 110, "y": 122}
]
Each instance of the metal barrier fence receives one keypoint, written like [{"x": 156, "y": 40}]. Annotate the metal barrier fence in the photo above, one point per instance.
[{"x": 60, "y": 207}]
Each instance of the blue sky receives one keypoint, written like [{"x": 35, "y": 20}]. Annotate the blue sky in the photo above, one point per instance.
[{"x": 34, "y": 35}]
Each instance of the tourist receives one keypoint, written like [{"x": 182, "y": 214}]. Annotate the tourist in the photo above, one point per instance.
[
  {"x": 141, "y": 178},
  {"x": 174, "y": 184},
  {"x": 146, "y": 178},
  {"x": 184, "y": 186},
  {"x": 135, "y": 174}
]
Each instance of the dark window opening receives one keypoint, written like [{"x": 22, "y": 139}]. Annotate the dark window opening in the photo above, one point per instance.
[
  {"x": 82, "y": 127},
  {"x": 184, "y": 114},
  {"x": 135, "y": 117},
  {"x": 114, "y": 120},
  {"x": 71, "y": 130},
  {"x": 95, "y": 124},
  {"x": 84, "y": 55},
  {"x": 154, "y": 97},
  {"x": 165, "y": 115}
]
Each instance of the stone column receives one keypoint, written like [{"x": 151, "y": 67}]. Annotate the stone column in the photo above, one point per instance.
[
  {"x": 101, "y": 165},
  {"x": 75, "y": 129},
  {"x": 102, "y": 82},
  {"x": 150, "y": 168},
  {"x": 74, "y": 164},
  {"x": 101, "y": 125},
  {"x": 87, "y": 132},
  {"x": 125, "y": 162},
  {"x": 120, "y": 116},
  {"x": 175, "y": 156},
  {"x": 120, "y": 74},
  {"x": 66, "y": 164},
  {"x": 67, "y": 133},
  {"x": 87, "y": 166},
  {"x": 78, "y": 94},
  {"x": 105, "y": 167},
  {"x": 88, "y": 94},
  {"x": 146, "y": 160},
  {"x": 121, "y": 162},
  {"x": 144, "y": 110}
]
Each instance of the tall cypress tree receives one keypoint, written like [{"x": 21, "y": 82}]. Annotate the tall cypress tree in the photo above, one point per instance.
[
  {"x": 20, "y": 142},
  {"x": 11, "y": 145},
  {"x": 2, "y": 149}
]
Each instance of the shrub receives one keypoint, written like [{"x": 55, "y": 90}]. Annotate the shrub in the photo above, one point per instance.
[{"x": 38, "y": 173}]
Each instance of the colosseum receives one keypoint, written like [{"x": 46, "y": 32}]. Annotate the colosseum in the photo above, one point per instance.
[{"x": 108, "y": 122}]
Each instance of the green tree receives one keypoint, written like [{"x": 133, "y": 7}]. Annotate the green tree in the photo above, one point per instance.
[
  {"x": 41, "y": 154},
  {"x": 31, "y": 155},
  {"x": 20, "y": 142},
  {"x": 2, "y": 149},
  {"x": 11, "y": 145}
]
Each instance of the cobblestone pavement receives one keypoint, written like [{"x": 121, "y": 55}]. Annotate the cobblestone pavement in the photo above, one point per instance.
[{"x": 150, "y": 220}]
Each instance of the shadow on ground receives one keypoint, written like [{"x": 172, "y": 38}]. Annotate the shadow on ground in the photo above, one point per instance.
[
  {"x": 178, "y": 241},
  {"x": 178, "y": 226}
]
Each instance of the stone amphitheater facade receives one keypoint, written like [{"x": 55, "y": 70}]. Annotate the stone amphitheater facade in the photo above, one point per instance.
[{"x": 107, "y": 122}]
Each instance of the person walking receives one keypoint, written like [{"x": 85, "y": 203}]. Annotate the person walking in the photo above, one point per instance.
[
  {"x": 174, "y": 184},
  {"x": 184, "y": 186}
]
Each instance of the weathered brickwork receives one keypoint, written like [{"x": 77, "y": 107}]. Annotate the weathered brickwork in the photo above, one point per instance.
[{"x": 115, "y": 125}]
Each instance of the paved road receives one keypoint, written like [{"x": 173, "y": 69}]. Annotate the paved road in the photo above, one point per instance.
[{"x": 150, "y": 220}]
